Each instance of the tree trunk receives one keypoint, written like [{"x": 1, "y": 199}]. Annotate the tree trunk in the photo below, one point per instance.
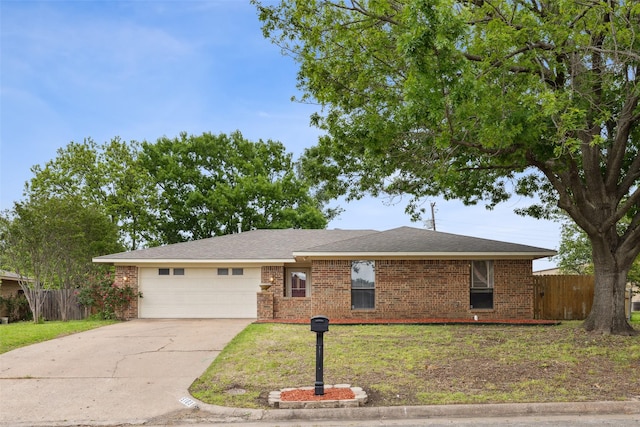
[
  {"x": 608, "y": 312},
  {"x": 35, "y": 298},
  {"x": 65, "y": 298}
]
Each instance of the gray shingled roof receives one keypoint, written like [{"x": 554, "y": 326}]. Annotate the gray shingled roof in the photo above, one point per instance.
[
  {"x": 250, "y": 245},
  {"x": 420, "y": 241},
  {"x": 283, "y": 245}
]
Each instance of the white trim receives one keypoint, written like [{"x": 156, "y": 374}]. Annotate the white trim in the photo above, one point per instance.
[
  {"x": 422, "y": 255},
  {"x": 189, "y": 261}
]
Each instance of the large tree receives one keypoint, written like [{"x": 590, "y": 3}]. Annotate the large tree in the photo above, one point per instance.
[
  {"x": 220, "y": 184},
  {"x": 107, "y": 176},
  {"x": 50, "y": 243},
  {"x": 575, "y": 253},
  {"x": 478, "y": 99}
]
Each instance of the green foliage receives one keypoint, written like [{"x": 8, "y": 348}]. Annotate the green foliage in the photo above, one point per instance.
[
  {"x": 214, "y": 184},
  {"x": 478, "y": 100},
  {"x": 108, "y": 176},
  {"x": 51, "y": 241},
  {"x": 184, "y": 188},
  {"x": 107, "y": 300},
  {"x": 575, "y": 253},
  {"x": 17, "y": 307}
]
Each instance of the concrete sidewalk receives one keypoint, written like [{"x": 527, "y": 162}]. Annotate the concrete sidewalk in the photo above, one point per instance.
[{"x": 123, "y": 373}]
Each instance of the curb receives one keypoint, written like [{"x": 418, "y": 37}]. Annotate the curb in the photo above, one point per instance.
[
  {"x": 432, "y": 411},
  {"x": 211, "y": 414}
]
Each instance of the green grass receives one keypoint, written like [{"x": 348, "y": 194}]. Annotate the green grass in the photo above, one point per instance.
[
  {"x": 428, "y": 364},
  {"x": 20, "y": 334},
  {"x": 635, "y": 317}
]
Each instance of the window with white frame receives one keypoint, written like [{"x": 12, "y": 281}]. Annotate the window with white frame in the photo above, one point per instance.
[
  {"x": 298, "y": 282},
  {"x": 481, "y": 292},
  {"x": 363, "y": 284}
]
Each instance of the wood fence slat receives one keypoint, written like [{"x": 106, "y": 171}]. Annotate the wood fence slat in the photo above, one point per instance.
[
  {"x": 51, "y": 307},
  {"x": 563, "y": 297}
]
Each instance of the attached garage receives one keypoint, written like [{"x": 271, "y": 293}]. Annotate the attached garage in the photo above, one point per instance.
[
  {"x": 218, "y": 277},
  {"x": 191, "y": 292}
]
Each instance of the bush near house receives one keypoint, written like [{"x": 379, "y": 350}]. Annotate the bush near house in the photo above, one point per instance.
[
  {"x": 17, "y": 307},
  {"x": 107, "y": 300}
]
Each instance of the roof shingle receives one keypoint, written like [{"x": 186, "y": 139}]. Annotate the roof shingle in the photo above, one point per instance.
[{"x": 283, "y": 245}]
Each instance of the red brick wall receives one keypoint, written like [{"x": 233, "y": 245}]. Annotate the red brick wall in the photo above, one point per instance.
[
  {"x": 128, "y": 275},
  {"x": 513, "y": 289},
  {"x": 408, "y": 289},
  {"x": 283, "y": 307},
  {"x": 265, "y": 305}
]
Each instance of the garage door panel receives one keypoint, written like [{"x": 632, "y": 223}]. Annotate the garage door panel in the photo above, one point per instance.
[{"x": 199, "y": 293}]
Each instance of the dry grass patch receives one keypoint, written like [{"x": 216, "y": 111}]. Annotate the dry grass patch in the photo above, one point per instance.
[{"x": 428, "y": 364}]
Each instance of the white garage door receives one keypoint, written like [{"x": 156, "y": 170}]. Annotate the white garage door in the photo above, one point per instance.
[{"x": 198, "y": 292}]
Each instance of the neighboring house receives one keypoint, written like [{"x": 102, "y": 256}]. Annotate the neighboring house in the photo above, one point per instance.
[
  {"x": 347, "y": 274},
  {"x": 9, "y": 287},
  {"x": 548, "y": 272}
]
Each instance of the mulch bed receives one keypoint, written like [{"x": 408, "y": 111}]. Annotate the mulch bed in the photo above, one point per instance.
[
  {"x": 421, "y": 321},
  {"x": 300, "y": 395}
]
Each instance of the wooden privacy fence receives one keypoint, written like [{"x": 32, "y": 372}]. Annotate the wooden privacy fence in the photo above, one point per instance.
[
  {"x": 562, "y": 297},
  {"x": 51, "y": 309}
]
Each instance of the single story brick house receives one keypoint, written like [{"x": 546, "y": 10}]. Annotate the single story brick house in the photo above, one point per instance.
[{"x": 289, "y": 274}]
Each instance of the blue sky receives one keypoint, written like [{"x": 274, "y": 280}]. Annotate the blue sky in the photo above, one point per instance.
[{"x": 145, "y": 69}]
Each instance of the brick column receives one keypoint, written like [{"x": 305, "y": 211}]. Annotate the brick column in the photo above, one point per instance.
[
  {"x": 265, "y": 305},
  {"x": 127, "y": 275}
]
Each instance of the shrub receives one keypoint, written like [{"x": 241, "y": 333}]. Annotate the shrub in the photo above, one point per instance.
[
  {"x": 107, "y": 300},
  {"x": 17, "y": 307}
]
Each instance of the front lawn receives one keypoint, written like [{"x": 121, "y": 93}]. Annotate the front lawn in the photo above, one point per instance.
[
  {"x": 432, "y": 364},
  {"x": 21, "y": 334}
]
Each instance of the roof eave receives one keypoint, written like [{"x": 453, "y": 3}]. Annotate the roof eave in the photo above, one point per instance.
[
  {"x": 304, "y": 256},
  {"x": 147, "y": 261}
]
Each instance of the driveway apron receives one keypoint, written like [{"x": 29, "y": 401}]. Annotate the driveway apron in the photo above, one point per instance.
[{"x": 124, "y": 373}]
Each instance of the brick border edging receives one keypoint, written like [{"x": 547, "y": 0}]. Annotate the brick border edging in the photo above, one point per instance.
[{"x": 359, "y": 400}]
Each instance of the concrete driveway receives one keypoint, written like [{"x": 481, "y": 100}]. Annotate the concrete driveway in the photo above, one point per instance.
[{"x": 123, "y": 373}]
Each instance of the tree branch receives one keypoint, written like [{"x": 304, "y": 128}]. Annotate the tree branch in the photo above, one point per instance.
[
  {"x": 358, "y": 8},
  {"x": 617, "y": 151}
]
